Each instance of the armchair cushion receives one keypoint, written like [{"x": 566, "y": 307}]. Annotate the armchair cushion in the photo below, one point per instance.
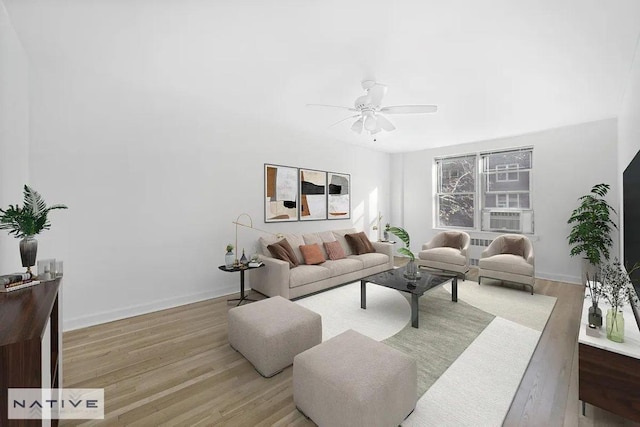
[
  {"x": 446, "y": 255},
  {"x": 507, "y": 263},
  {"x": 282, "y": 250},
  {"x": 513, "y": 245},
  {"x": 452, "y": 240}
]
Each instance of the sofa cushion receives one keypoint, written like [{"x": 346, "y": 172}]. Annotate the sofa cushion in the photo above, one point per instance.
[
  {"x": 452, "y": 239},
  {"x": 265, "y": 241},
  {"x": 339, "y": 235},
  {"x": 312, "y": 254},
  {"x": 282, "y": 250},
  {"x": 304, "y": 274},
  {"x": 371, "y": 260},
  {"x": 513, "y": 245},
  {"x": 334, "y": 250},
  {"x": 446, "y": 255},
  {"x": 295, "y": 240},
  {"x": 343, "y": 266},
  {"x": 359, "y": 243},
  {"x": 507, "y": 263},
  {"x": 310, "y": 239}
]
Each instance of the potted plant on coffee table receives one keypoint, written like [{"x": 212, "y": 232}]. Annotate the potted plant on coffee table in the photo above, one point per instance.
[
  {"x": 27, "y": 221},
  {"x": 411, "y": 269}
]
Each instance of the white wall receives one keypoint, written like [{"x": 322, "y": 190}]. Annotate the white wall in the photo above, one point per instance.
[
  {"x": 14, "y": 132},
  {"x": 153, "y": 183},
  {"x": 629, "y": 128},
  {"x": 567, "y": 162}
]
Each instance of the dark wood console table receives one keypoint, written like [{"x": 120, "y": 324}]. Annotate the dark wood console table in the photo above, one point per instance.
[
  {"x": 609, "y": 372},
  {"x": 30, "y": 343}
]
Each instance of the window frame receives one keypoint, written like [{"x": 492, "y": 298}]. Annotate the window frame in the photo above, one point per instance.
[{"x": 480, "y": 183}]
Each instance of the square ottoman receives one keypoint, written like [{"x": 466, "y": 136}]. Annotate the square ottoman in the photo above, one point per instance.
[
  {"x": 270, "y": 332},
  {"x": 353, "y": 380}
]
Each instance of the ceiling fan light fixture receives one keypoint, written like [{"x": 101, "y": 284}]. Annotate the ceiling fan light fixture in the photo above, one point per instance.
[
  {"x": 370, "y": 122},
  {"x": 357, "y": 126}
]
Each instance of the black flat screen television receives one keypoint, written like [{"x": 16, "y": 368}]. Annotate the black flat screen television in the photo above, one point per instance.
[{"x": 631, "y": 200}]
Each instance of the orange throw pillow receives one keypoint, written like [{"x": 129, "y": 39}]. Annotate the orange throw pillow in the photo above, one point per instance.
[
  {"x": 312, "y": 254},
  {"x": 334, "y": 250}
]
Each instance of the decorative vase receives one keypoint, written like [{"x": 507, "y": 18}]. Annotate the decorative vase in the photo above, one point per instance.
[
  {"x": 243, "y": 259},
  {"x": 229, "y": 258},
  {"x": 28, "y": 251},
  {"x": 386, "y": 235},
  {"x": 595, "y": 315},
  {"x": 411, "y": 270},
  {"x": 615, "y": 325}
]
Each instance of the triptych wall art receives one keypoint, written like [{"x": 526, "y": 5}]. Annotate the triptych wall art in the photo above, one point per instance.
[{"x": 297, "y": 194}]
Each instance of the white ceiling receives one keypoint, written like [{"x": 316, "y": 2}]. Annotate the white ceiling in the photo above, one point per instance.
[{"x": 495, "y": 68}]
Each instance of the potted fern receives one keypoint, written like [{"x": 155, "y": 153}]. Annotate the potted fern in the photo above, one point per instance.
[
  {"x": 27, "y": 221},
  {"x": 592, "y": 226}
]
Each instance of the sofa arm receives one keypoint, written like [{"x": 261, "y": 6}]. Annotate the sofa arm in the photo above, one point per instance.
[
  {"x": 272, "y": 279},
  {"x": 385, "y": 248}
]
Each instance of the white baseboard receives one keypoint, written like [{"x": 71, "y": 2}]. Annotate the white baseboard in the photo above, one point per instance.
[
  {"x": 136, "y": 310},
  {"x": 559, "y": 278}
]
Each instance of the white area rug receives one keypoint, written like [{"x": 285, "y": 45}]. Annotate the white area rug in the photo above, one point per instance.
[
  {"x": 386, "y": 314},
  {"x": 478, "y": 388},
  {"x": 509, "y": 303}
]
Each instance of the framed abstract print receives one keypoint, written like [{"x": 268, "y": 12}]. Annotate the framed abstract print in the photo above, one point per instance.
[
  {"x": 281, "y": 193},
  {"x": 339, "y": 198},
  {"x": 313, "y": 195}
]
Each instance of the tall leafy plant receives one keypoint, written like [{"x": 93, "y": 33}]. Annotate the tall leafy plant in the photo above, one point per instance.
[
  {"x": 404, "y": 236},
  {"x": 29, "y": 220},
  {"x": 592, "y": 225}
]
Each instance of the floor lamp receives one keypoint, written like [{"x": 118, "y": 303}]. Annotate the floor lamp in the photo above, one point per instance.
[{"x": 237, "y": 222}]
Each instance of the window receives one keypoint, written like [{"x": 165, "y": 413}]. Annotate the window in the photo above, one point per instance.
[
  {"x": 456, "y": 191},
  {"x": 504, "y": 190},
  {"x": 506, "y": 179}
]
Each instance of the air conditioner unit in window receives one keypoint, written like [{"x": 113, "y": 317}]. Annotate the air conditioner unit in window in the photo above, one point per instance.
[{"x": 508, "y": 220}]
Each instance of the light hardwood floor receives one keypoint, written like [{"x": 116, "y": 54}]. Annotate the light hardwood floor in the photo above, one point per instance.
[{"x": 175, "y": 367}]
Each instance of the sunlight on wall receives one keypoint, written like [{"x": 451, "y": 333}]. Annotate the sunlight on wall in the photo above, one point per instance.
[
  {"x": 358, "y": 216},
  {"x": 374, "y": 211}
]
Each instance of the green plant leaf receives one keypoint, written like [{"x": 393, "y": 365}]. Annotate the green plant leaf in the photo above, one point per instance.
[
  {"x": 401, "y": 233},
  {"x": 407, "y": 252}
]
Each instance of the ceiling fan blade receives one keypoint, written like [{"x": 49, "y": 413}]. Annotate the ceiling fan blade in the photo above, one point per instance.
[
  {"x": 377, "y": 92},
  {"x": 347, "y": 118},
  {"x": 384, "y": 123},
  {"x": 332, "y": 106},
  {"x": 409, "y": 109},
  {"x": 358, "y": 125}
]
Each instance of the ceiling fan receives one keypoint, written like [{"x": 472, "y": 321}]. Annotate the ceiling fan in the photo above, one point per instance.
[{"x": 370, "y": 112}]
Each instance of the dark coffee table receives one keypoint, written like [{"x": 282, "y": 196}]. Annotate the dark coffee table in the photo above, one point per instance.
[{"x": 395, "y": 279}]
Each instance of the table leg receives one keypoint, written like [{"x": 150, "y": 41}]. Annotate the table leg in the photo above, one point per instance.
[
  {"x": 243, "y": 297},
  {"x": 454, "y": 289},
  {"x": 363, "y": 294},
  {"x": 414, "y": 310}
]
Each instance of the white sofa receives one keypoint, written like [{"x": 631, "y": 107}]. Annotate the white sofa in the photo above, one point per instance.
[{"x": 276, "y": 278}]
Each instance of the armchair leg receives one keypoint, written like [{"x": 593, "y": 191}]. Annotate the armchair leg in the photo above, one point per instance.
[{"x": 479, "y": 277}]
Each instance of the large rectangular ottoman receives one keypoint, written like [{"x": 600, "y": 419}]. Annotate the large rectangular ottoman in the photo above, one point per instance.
[
  {"x": 270, "y": 332},
  {"x": 353, "y": 380}
]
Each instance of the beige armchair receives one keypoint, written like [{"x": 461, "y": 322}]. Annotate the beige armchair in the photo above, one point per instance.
[
  {"x": 447, "y": 251},
  {"x": 508, "y": 258}
]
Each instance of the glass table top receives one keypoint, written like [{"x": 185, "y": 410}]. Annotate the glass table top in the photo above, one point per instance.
[{"x": 395, "y": 279}]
